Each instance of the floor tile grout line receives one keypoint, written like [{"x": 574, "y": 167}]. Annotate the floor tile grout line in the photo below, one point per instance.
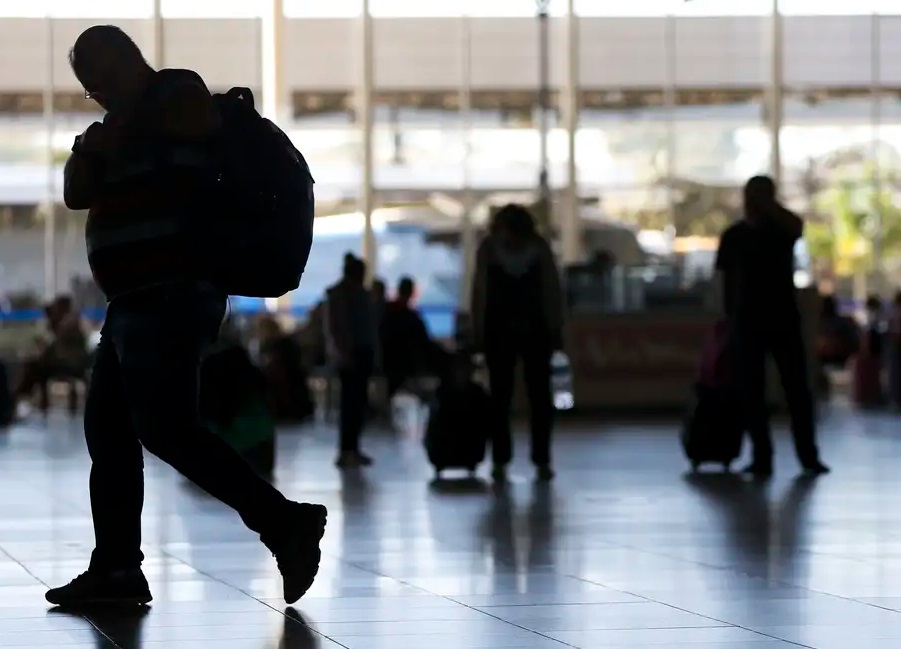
[
  {"x": 707, "y": 617},
  {"x": 253, "y": 597},
  {"x": 451, "y": 599},
  {"x": 44, "y": 583},
  {"x": 732, "y": 570}
]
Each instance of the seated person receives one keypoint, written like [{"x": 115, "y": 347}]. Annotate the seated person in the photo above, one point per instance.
[
  {"x": 838, "y": 338},
  {"x": 407, "y": 349},
  {"x": 66, "y": 356},
  {"x": 281, "y": 361}
]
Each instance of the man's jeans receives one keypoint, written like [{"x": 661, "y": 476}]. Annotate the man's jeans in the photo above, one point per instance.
[{"x": 144, "y": 392}]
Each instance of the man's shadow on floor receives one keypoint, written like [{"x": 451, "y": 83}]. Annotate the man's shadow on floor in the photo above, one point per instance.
[
  {"x": 763, "y": 531},
  {"x": 121, "y": 628}
]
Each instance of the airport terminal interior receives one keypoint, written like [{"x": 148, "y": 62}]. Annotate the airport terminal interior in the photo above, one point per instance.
[{"x": 629, "y": 129}]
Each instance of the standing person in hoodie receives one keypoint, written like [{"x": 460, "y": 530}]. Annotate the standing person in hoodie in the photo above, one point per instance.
[{"x": 517, "y": 312}]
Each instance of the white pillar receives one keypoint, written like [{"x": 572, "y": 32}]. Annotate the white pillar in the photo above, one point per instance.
[
  {"x": 50, "y": 279},
  {"x": 670, "y": 100},
  {"x": 159, "y": 36},
  {"x": 776, "y": 89},
  {"x": 273, "y": 90},
  {"x": 571, "y": 230},
  {"x": 365, "y": 121},
  {"x": 467, "y": 228}
]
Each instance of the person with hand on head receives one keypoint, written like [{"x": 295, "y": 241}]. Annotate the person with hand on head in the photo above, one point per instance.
[
  {"x": 146, "y": 174},
  {"x": 517, "y": 313},
  {"x": 756, "y": 263}
]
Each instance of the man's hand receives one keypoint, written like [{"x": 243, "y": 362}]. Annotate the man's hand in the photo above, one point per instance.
[{"x": 99, "y": 140}]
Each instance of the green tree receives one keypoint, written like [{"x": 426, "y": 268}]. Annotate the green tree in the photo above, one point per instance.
[{"x": 849, "y": 219}]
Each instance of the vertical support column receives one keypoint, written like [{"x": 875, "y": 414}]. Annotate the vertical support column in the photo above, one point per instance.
[
  {"x": 273, "y": 90},
  {"x": 544, "y": 106},
  {"x": 159, "y": 35},
  {"x": 467, "y": 228},
  {"x": 876, "y": 122},
  {"x": 571, "y": 233},
  {"x": 272, "y": 87},
  {"x": 50, "y": 269},
  {"x": 776, "y": 92},
  {"x": 670, "y": 100},
  {"x": 365, "y": 121}
]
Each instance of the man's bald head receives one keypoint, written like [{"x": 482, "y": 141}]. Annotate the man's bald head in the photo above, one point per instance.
[{"x": 108, "y": 63}]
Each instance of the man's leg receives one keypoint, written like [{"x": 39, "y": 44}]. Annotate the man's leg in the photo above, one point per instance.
[
  {"x": 347, "y": 412},
  {"x": 791, "y": 361},
  {"x": 354, "y": 406},
  {"x": 117, "y": 466},
  {"x": 117, "y": 494},
  {"x": 365, "y": 363},
  {"x": 751, "y": 348},
  {"x": 159, "y": 346},
  {"x": 537, "y": 371},
  {"x": 501, "y": 362}
]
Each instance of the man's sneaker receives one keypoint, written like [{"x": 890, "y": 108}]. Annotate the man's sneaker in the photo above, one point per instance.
[
  {"x": 815, "y": 469},
  {"x": 758, "y": 470},
  {"x": 120, "y": 588},
  {"x": 299, "y": 554},
  {"x": 352, "y": 460}
]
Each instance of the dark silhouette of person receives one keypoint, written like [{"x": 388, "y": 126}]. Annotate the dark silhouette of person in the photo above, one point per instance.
[
  {"x": 160, "y": 319},
  {"x": 282, "y": 363},
  {"x": 838, "y": 338},
  {"x": 65, "y": 356},
  {"x": 756, "y": 260},
  {"x": 353, "y": 337},
  {"x": 406, "y": 345},
  {"x": 517, "y": 313}
]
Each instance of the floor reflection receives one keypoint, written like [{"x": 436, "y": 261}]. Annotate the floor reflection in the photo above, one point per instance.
[
  {"x": 763, "y": 527},
  {"x": 620, "y": 551},
  {"x": 119, "y": 627},
  {"x": 519, "y": 527}
]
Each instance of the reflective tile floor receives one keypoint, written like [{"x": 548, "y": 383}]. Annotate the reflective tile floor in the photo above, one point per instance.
[{"x": 621, "y": 551}]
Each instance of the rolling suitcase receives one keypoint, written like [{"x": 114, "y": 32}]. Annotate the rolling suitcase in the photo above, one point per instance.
[
  {"x": 251, "y": 432},
  {"x": 233, "y": 404},
  {"x": 713, "y": 429},
  {"x": 457, "y": 431},
  {"x": 714, "y": 426}
]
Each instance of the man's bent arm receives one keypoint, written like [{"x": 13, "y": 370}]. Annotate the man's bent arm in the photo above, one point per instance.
[
  {"x": 80, "y": 179},
  {"x": 787, "y": 221}
]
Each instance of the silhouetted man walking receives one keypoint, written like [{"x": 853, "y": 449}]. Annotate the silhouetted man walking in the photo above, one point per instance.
[{"x": 142, "y": 174}]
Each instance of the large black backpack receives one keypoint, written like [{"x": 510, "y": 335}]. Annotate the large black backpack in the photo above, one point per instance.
[{"x": 258, "y": 238}]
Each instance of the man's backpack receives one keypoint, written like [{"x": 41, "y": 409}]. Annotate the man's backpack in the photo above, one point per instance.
[{"x": 261, "y": 230}]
